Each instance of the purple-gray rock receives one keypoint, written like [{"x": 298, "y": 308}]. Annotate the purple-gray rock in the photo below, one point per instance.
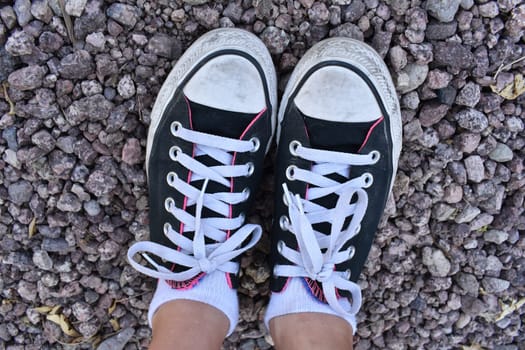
[
  {"x": 69, "y": 202},
  {"x": 94, "y": 107},
  {"x": 44, "y": 140},
  {"x": 502, "y": 153},
  {"x": 381, "y": 42},
  {"x": 437, "y": 263},
  {"x": 495, "y": 236},
  {"x": 20, "y": 192},
  {"x": 61, "y": 163},
  {"x": 411, "y": 77},
  {"x": 453, "y": 193},
  {"x": 515, "y": 26},
  {"x": 438, "y": 79},
  {"x": 27, "y": 78},
  {"x": 233, "y": 11},
  {"x": 348, "y": 30},
  {"x": 8, "y": 16},
  {"x": 50, "y": 42},
  {"x": 23, "y": 11},
  {"x": 319, "y": 14},
  {"x": 468, "y": 141},
  {"x": 108, "y": 250},
  {"x": 453, "y": 55},
  {"x": 126, "y": 15},
  {"x": 131, "y": 152},
  {"x": 443, "y": 10},
  {"x": 469, "y": 95},
  {"x": 475, "y": 168},
  {"x": 92, "y": 20},
  {"x": 447, "y": 95},
  {"x": 398, "y": 58},
  {"x": 354, "y": 11},
  {"x": 441, "y": 31},
  {"x": 417, "y": 24},
  {"x": 75, "y": 7},
  {"x": 99, "y": 183},
  {"x": 275, "y": 39},
  {"x": 118, "y": 341},
  {"x": 472, "y": 119},
  {"x": 494, "y": 285},
  {"x": 41, "y": 11},
  {"x": 489, "y": 9},
  {"x": 20, "y": 43},
  {"x": 82, "y": 311},
  {"x": 206, "y": 16},
  {"x": 468, "y": 214},
  {"x": 77, "y": 65},
  {"x": 431, "y": 113},
  {"x": 126, "y": 87},
  {"x": 27, "y": 290},
  {"x": 42, "y": 260},
  {"x": 468, "y": 283},
  {"x": 165, "y": 46}
]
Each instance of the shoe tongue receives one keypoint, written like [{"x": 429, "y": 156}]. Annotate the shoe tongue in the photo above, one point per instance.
[
  {"x": 218, "y": 122},
  {"x": 337, "y": 136}
]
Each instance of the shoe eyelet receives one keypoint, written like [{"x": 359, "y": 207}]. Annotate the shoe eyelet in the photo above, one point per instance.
[
  {"x": 294, "y": 145},
  {"x": 166, "y": 228},
  {"x": 285, "y": 200},
  {"x": 348, "y": 274},
  {"x": 256, "y": 144},
  {"x": 280, "y": 246},
  {"x": 169, "y": 203},
  {"x": 290, "y": 172},
  {"x": 171, "y": 177},
  {"x": 284, "y": 222},
  {"x": 175, "y": 128},
  {"x": 375, "y": 155},
  {"x": 242, "y": 216},
  {"x": 368, "y": 180},
  {"x": 246, "y": 193},
  {"x": 250, "y": 170},
  {"x": 357, "y": 229},
  {"x": 351, "y": 252},
  {"x": 274, "y": 272},
  {"x": 174, "y": 151}
]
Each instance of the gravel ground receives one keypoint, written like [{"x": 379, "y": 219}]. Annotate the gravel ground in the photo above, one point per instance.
[{"x": 448, "y": 265}]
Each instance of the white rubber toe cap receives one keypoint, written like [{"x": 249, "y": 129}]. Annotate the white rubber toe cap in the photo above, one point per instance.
[
  {"x": 337, "y": 94},
  {"x": 228, "y": 82}
]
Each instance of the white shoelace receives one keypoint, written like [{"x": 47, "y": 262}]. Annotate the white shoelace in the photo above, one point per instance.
[
  {"x": 195, "y": 254},
  {"x": 309, "y": 259}
]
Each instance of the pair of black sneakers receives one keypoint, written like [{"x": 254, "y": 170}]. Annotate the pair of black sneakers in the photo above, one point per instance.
[{"x": 338, "y": 131}]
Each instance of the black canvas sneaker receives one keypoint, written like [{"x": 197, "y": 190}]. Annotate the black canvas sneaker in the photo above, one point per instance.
[
  {"x": 211, "y": 127},
  {"x": 339, "y": 140}
]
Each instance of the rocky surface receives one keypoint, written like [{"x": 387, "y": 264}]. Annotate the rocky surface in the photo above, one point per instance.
[{"x": 449, "y": 256}]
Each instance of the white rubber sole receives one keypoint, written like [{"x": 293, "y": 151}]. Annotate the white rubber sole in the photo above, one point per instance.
[
  {"x": 213, "y": 41},
  {"x": 365, "y": 59}
]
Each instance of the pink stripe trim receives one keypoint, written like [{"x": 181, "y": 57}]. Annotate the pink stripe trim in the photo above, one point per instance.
[
  {"x": 254, "y": 120},
  {"x": 185, "y": 203},
  {"x": 370, "y": 132}
]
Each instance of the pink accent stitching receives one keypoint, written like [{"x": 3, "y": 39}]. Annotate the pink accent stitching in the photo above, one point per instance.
[
  {"x": 370, "y": 132},
  {"x": 184, "y": 205},
  {"x": 228, "y": 279}
]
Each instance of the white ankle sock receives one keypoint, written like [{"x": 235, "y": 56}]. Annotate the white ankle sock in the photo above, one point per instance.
[
  {"x": 212, "y": 289},
  {"x": 297, "y": 298}
]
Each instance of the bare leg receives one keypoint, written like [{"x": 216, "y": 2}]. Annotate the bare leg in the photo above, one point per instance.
[
  {"x": 186, "y": 324},
  {"x": 309, "y": 331}
]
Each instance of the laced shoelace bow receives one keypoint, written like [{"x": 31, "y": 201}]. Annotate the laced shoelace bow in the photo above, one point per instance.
[
  {"x": 194, "y": 253},
  {"x": 309, "y": 260}
]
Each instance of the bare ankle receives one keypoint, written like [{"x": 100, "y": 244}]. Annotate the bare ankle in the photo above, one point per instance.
[{"x": 309, "y": 331}]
